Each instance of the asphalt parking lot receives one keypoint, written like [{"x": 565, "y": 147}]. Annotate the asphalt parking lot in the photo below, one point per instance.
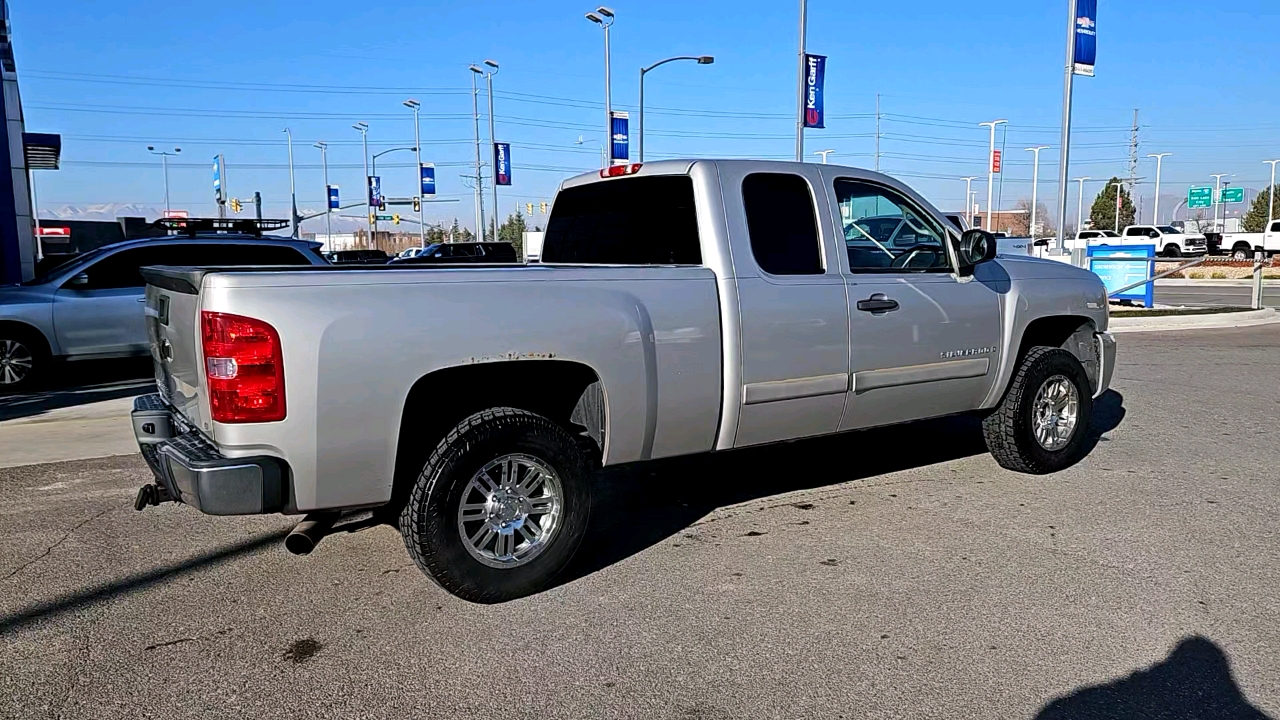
[{"x": 898, "y": 573}]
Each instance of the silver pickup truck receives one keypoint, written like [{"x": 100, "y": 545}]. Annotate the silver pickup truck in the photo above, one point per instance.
[{"x": 680, "y": 307}]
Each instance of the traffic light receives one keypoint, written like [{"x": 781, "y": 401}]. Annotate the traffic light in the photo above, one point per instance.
[
  {"x": 395, "y": 219},
  {"x": 235, "y": 205},
  {"x": 382, "y": 203},
  {"x": 372, "y": 218},
  {"x": 417, "y": 204},
  {"x": 544, "y": 208},
  {"x": 528, "y": 208}
]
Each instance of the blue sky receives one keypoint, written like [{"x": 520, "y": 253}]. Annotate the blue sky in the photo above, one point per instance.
[{"x": 113, "y": 77}]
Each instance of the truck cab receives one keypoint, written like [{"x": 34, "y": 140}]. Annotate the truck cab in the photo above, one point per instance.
[{"x": 1168, "y": 240}]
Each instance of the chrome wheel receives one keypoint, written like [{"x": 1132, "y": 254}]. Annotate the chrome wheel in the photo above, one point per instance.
[
  {"x": 16, "y": 362},
  {"x": 510, "y": 510},
  {"x": 1055, "y": 412}
]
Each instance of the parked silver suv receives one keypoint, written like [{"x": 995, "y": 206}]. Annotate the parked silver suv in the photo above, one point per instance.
[{"x": 92, "y": 306}]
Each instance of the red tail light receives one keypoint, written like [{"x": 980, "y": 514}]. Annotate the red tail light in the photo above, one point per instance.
[
  {"x": 244, "y": 367},
  {"x": 620, "y": 170}
]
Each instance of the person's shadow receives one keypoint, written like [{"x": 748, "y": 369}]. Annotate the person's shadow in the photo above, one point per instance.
[
  {"x": 639, "y": 505},
  {"x": 1193, "y": 683}
]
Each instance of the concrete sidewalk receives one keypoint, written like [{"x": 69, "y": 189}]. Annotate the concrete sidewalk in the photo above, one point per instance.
[{"x": 69, "y": 433}]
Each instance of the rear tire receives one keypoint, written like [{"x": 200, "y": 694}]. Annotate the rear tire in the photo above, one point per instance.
[
  {"x": 500, "y": 507},
  {"x": 1241, "y": 252},
  {"x": 24, "y": 359},
  {"x": 1043, "y": 422}
]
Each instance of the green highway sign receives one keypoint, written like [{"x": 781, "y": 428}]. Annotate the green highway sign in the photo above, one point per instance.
[
  {"x": 1200, "y": 197},
  {"x": 1232, "y": 195},
  {"x": 387, "y": 218}
]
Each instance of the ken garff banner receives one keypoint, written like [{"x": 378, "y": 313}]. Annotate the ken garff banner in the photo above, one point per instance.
[
  {"x": 815, "y": 70},
  {"x": 427, "y": 171},
  {"x": 1086, "y": 47},
  {"x": 502, "y": 163},
  {"x": 375, "y": 190},
  {"x": 619, "y": 139},
  {"x": 332, "y": 190}
]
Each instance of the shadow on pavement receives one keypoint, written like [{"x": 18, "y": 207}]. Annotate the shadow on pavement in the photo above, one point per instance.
[
  {"x": 80, "y": 383},
  {"x": 1193, "y": 683},
  {"x": 637, "y": 506},
  {"x": 134, "y": 583}
]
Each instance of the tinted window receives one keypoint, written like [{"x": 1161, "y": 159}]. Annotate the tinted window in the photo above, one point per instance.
[
  {"x": 1135, "y": 232},
  {"x": 782, "y": 224},
  {"x": 206, "y": 254},
  {"x": 628, "y": 221},
  {"x": 1275, "y": 226},
  {"x": 120, "y": 270},
  {"x": 883, "y": 232}
]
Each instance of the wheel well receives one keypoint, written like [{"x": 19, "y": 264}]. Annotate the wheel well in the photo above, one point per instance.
[
  {"x": 1242, "y": 244},
  {"x": 1069, "y": 332},
  {"x": 559, "y": 390},
  {"x": 29, "y": 332}
]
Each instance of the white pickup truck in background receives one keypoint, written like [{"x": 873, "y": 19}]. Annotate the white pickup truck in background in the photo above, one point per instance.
[
  {"x": 1169, "y": 241},
  {"x": 1242, "y": 246}
]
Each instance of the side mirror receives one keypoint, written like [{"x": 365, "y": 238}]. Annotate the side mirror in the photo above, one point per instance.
[
  {"x": 976, "y": 247},
  {"x": 80, "y": 279}
]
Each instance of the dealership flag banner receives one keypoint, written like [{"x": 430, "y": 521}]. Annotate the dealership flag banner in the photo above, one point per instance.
[
  {"x": 1086, "y": 36},
  {"x": 427, "y": 171},
  {"x": 815, "y": 70},
  {"x": 619, "y": 140},
  {"x": 502, "y": 163}
]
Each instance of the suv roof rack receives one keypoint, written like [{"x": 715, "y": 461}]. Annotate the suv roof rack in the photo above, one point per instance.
[{"x": 196, "y": 226}]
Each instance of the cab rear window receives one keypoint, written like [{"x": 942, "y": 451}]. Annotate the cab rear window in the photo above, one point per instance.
[{"x": 628, "y": 221}]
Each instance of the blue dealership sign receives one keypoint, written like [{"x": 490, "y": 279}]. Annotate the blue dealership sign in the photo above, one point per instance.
[
  {"x": 619, "y": 142},
  {"x": 427, "y": 173},
  {"x": 1122, "y": 265},
  {"x": 333, "y": 196},
  {"x": 217, "y": 178},
  {"x": 815, "y": 71},
  {"x": 1086, "y": 46},
  {"x": 375, "y": 190},
  {"x": 502, "y": 163}
]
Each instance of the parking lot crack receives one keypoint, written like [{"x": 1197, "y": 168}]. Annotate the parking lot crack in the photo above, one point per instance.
[{"x": 54, "y": 546}]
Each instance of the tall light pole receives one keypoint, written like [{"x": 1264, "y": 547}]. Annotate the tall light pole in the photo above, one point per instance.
[
  {"x": 1080, "y": 205},
  {"x": 991, "y": 172},
  {"x": 1271, "y": 203},
  {"x": 164, "y": 163},
  {"x": 604, "y": 160},
  {"x": 968, "y": 192},
  {"x": 493, "y": 143},
  {"x": 1118, "y": 186},
  {"x": 293, "y": 194},
  {"x": 417, "y": 143},
  {"x": 824, "y": 154},
  {"x": 1155, "y": 212},
  {"x": 804, "y": 31},
  {"x": 603, "y": 17},
  {"x": 701, "y": 60},
  {"x": 475, "y": 116},
  {"x": 1035, "y": 183},
  {"x": 364, "y": 144},
  {"x": 1217, "y": 200},
  {"x": 1065, "y": 142},
  {"x": 328, "y": 211}
]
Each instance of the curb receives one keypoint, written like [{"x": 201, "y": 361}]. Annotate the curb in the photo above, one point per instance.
[{"x": 1266, "y": 316}]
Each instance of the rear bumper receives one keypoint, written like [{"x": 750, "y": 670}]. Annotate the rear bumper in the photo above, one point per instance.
[{"x": 192, "y": 470}]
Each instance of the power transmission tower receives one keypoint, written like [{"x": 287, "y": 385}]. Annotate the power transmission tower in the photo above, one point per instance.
[{"x": 1133, "y": 152}]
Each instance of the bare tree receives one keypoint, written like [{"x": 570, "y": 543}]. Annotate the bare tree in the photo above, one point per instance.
[
  {"x": 1020, "y": 222},
  {"x": 1199, "y": 222}
]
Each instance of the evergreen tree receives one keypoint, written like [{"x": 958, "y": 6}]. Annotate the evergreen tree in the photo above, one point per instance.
[
  {"x": 1256, "y": 219},
  {"x": 1102, "y": 214},
  {"x": 512, "y": 231}
]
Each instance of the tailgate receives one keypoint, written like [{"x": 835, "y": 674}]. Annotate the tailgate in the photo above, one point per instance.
[{"x": 173, "y": 331}]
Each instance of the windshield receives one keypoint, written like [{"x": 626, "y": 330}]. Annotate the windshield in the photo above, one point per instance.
[{"x": 1167, "y": 230}]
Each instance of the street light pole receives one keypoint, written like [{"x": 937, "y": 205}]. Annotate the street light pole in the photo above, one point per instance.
[
  {"x": 604, "y": 161},
  {"x": 1217, "y": 200},
  {"x": 493, "y": 144},
  {"x": 701, "y": 59},
  {"x": 604, "y": 17},
  {"x": 368, "y": 204},
  {"x": 1035, "y": 182},
  {"x": 804, "y": 30},
  {"x": 417, "y": 144},
  {"x": 1118, "y": 186},
  {"x": 164, "y": 164},
  {"x": 328, "y": 211},
  {"x": 968, "y": 192},
  {"x": 1080, "y": 205},
  {"x": 1065, "y": 142},
  {"x": 293, "y": 194},
  {"x": 475, "y": 117},
  {"x": 824, "y": 154},
  {"x": 991, "y": 171},
  {"x": 1155, "y": 211},
  {"x": 1271, "y": 203}
]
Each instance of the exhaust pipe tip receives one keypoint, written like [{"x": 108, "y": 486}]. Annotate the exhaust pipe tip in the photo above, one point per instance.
[{"x": 307, "y": 534}]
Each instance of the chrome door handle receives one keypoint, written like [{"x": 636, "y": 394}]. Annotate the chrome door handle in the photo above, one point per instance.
[
  {"x": 878, "y": 303},
  {"x": 142, "y": 300}
]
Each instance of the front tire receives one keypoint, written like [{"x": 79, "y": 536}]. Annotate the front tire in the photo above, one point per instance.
[
  {"x": 1043, "y": 422},
  {"x": 500, "y": 507},
  {"x": 1172, "y": 251}
]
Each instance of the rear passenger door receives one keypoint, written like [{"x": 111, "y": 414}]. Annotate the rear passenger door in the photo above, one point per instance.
[{"x": 793, "y": 310}]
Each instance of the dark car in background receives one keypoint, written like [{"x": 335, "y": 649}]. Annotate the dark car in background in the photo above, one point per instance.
[
  {"x": 463, "y": 252},
  {"x": 357, "y": 257}
]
